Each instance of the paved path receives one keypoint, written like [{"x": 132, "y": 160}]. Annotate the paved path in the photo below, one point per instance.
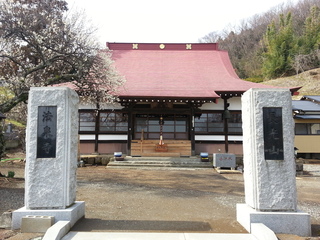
[{"x": 155, "y": 236}]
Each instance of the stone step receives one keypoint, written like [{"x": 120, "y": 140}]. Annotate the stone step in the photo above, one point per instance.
[
  {"x": 137, "y": 165},
  {"x": 160, "y": 162},
  {"x": 171, "y": 159}
]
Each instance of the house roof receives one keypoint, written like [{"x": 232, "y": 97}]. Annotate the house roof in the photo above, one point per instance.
[
  {"x": 304, "y": 109},
  {"x": 199, "y": 71},
  {"x": 309, "y": 116},
  {"x": 305, "y": 106},
  {"x": 311, "y": 98}
]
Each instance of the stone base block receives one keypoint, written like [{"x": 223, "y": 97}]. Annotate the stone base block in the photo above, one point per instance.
[
  {"x": 38, "y": 224},
  {"x": 297, "y": 223},
  {"x": 71, "y": 214},
  {"x": 5, "y": 220}
]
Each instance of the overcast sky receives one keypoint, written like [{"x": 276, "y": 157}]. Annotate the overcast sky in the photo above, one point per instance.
[{"x": 167, "y": 21}]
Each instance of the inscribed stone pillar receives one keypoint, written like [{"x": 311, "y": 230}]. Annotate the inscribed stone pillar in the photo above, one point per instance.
[
  {"x": 268, "y": 147},
  {"x": 269, "y": 164},
  {"x": 51, "y": 148}
]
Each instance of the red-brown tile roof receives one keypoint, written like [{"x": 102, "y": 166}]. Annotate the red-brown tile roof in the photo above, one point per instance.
[{"x": 176, "y": 70}]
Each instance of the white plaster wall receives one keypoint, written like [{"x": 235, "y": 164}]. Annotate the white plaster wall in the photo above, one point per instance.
[
  {"x": 87, "y": 137},
  {"x": 113, "y": 137},
  {"x": 235, "y": 104},
  {"x": 217, "y": 138},
  {"x": 85, "y": 105}
]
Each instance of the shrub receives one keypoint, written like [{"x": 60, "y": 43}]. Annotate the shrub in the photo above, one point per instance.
[
  {"x": 254, "y": 79},
  {"x": 11, "y": 174}
]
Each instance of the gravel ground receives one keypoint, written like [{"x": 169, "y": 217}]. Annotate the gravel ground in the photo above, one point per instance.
[{"x": 160, "y": 200}]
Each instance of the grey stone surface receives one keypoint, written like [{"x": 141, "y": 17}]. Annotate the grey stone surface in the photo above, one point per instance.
[
  {"x": 71, "y": 214},
  {"x": 224, "y": 160},
  {"x": 297, "y": 223},
  {"x": 156, "y": 236},
  {"x": 57, "y": 231},
  {"x": 51, "y": 182},
  {"x": 270, "y": 185},
  {"x": 262, "y": 232},
  {"x": 40, "y": 224}
]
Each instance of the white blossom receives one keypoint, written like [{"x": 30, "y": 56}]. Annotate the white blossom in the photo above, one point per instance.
[{"x": 43, "y": 44}]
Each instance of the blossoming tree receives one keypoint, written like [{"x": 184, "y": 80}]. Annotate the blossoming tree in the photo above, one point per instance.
[{"x": 43, "y": 44}]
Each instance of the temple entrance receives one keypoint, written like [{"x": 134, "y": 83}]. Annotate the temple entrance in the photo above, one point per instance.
[
  {"x": 174, "y": 126},
  {"x": 175, "y": 135}
]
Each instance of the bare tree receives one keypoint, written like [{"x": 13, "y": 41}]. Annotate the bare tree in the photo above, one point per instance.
[
  {"x": 43, "y": 44},
  {"x": 244, "y": 41},
  {"x": 212, "y": 37}
]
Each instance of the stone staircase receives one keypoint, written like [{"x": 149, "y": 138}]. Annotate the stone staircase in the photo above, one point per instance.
[{"x": 158, "y": 162}]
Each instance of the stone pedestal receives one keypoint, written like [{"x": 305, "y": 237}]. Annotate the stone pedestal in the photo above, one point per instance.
[
  {"x": 269, "y": 164},
  {"x": 71, "y": 214},
  {"x": 297, "y": 223},
  {"x": 51, "y": 149},
  {"x": 224, "y": 160}
]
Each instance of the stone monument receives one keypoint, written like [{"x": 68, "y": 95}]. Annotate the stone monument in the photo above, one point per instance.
[
  {"x": 269, "y": 163},
  {"x": 51, "y": 156},
  {"x": 224, "y": 160}
]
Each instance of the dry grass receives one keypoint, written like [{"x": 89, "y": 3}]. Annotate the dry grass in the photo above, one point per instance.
[{"x": 309, "y": 81}]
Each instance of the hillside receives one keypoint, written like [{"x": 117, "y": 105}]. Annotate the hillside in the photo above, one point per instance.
[
  {"x": 250, "y": 42},
  {"x": 309, "y": 81}
]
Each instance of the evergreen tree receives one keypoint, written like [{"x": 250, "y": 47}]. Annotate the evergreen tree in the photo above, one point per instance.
[
  {"x": 311, "y": 38},
  {"x": 279, "y": 44}
]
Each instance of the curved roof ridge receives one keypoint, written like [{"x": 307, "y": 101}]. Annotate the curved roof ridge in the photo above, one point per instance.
[{"x": 177, "y": 70}]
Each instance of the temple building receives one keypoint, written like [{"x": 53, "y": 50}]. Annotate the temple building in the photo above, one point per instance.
[{"x": 178, "y": 100}]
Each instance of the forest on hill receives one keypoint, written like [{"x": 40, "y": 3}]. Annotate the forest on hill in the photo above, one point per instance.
[{"x": 281, "y": 42}]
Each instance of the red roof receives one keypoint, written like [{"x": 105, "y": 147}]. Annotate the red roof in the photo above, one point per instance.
[{"x": 176, "y": 71}]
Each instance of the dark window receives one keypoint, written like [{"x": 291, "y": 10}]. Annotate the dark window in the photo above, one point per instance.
[
  {"x": 87, "y": 121},
  {"x": 113, "y": 122},
  {"x": 209, "y": 123},
  {"x": 212, "y": 123},
  {"x": 315, "y": 128},
  {"x": 235, "y": 123},
  {"x": 307, "y": 128},
  {"x": 108, "y": 122},
  {"x": 175, "y": 126}
]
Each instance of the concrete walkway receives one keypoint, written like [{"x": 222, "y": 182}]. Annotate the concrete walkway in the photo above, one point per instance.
[
  {"x": 60, "y": 231},
  {"x": 154, "y": 236}
]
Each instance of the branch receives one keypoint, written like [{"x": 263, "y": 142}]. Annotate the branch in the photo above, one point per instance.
[
  {"x": 13, "y": 60},
  {"x": 65, "y": 77},
  {"x": 11, "y": 103}
]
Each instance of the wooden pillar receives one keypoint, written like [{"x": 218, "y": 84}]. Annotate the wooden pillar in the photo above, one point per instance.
[
  {"x": 130, "y": 130},
  {"x": 192, "y": 132},
  {"x": 226, "y": 116},
  {"x": 96, "y": 138}
]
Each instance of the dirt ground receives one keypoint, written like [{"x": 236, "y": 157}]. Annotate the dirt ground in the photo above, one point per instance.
[{"x": 158, "y": 200}]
